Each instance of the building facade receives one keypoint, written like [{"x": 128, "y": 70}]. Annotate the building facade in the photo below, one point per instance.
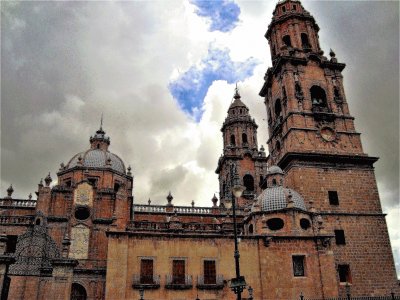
[{"x": 309, "y": 219}]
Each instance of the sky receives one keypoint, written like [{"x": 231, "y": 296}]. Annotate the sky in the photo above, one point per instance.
[{"x": 163, "y": 74}]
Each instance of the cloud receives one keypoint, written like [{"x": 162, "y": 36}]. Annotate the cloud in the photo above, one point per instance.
[
  {"x": 64, "y": 63},
  {"x": 191, "y": 87},
  {"x": 223, "y": 15}
]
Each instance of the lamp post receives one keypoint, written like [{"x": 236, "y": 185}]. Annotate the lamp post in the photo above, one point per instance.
[
  {"x": 141, "y": 293},
  {"x": 238, "y": 284},
  {"x": 250, "y": 289},
  {"x": 348, "y": 294}
]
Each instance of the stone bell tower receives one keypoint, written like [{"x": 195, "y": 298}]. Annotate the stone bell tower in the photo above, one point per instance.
[
  {"x": 313, "y": 139},
  {"x": 239, "y": 132}
]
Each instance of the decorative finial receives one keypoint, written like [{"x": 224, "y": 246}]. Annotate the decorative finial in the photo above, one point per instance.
[
  {"x": 169, "y": 199},
  {"x": 290, "y": 200},
  {"x": 10, "y": 190},
  {"x": 62, "y": 166},
  {"x": 214, "y": 200},
  {"x": 237, "y": 95},
  {"x": 149, "y": 201},
  {"x": 129, "y": 171},
  {"x": 48, "y": 180},
  {"x": 41, "y": 182},
  {"x": 331, "y": 53},
  {"x": 30, "y": 196},
  {"x": 192, "y": 203}
]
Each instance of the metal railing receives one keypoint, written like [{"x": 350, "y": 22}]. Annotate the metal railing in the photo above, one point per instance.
[
  {"x": 146, "y": 281},
  {"x": 178, "y": 282},
  {"x": 210, "y": 282}
]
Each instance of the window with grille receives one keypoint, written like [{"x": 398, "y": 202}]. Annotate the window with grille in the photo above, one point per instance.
[
  {"x": 344, "y": 273},
  {"x": 298, "y": 265},
  {"x": 333, "y": 198},
  {"x": 178, "y": 271},
  {"x": 339, "y": 236},
  {"x": 210, "y": 275},
  {"x": 146, "y": 271}
]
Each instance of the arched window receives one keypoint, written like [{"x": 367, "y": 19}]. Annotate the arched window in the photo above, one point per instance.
[
  {"x": 251, "y": 229},
  {"x": 278, "y": 108},
  {"x": 278, "y": 145},
  {"x": 274, "y": 182},
  {"x": 244, "y": 138},
  {"x": 287, "y": 41},
  {"x": 233, "y": 143},
  {"x": 318, "y": 96},
  {"x": 78, "y": 292},
  {"x": 248, "y": 182},
  {"x": 304, "y": 41}
]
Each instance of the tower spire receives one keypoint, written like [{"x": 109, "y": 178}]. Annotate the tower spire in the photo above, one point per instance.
[
  {"x": 101, "y": 122},
  {"x": 237, "y": 95}
]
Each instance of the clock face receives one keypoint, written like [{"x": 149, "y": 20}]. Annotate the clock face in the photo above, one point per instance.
[{"x": 328, "y": 134}]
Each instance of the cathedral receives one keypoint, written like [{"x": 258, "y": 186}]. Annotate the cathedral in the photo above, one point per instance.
[{"x": 307, "y": 218}]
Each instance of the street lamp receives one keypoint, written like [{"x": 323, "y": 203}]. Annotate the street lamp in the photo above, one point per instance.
[
  {"x": 141, "y": 293},
  {"x": 250, "y": 289},
  {"x": 238, "y": 284},
  {"x": 348, "y": 294}
]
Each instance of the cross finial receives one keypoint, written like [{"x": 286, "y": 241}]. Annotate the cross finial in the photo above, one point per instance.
[
  {"x": 237, "y": 95},
  {"x": 101, "y": 122}
]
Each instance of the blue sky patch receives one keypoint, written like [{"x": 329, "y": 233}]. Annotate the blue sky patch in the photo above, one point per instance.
[
  {"x": 191, "y": 87},
  {"x": 223, "y": 14}
]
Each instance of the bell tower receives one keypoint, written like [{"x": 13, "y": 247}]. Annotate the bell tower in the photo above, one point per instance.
[
  {"x": 303, "y": 90},
  {"x": 312, "y": 138},
  {"x": 240, "y": 153}
]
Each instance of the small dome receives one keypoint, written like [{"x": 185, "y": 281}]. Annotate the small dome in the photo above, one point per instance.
[
  {"x": 276, "y": 198},
  {"x": 274, "y": 170},
  {"x": 97, "y": 158}
]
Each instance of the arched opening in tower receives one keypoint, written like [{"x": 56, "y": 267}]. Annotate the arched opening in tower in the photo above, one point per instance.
[
  {"x": 278, "y": 108},
  {"x": 248, "y": 182},
  {"x": 244, "y": 138},
  {"x": 287, "y": 41},
  {"x": 318, "y": 96},
  {"x": 233, "y": 142},
  {"x": 304, "y": 41}
]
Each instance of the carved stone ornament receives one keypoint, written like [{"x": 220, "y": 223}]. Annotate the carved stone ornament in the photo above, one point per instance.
[{"x": 328, "y": 134}]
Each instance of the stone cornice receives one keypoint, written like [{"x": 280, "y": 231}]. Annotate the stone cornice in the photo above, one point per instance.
[{"x": 326, "y": 159}]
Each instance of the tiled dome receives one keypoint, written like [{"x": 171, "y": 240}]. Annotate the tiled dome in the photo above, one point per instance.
[
  {"x": 97, "y": 158},
  {"x": 275, "y": 198},
  {"x": 274, "y": 170}
]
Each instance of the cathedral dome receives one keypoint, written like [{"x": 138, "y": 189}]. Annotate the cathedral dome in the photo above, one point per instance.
[
  {"x": 274, "y": 170},
  {"x": 98, "y": 155},
  {"x": 97, "y": 158},
  {"x": 278, "y": 197}
]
